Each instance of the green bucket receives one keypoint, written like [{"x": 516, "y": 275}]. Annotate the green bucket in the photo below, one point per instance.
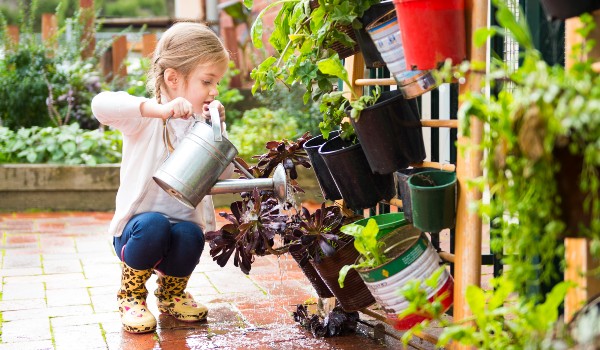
[
  {"x": 433, "y": 200},
  {"x": 386, "y": 222}
]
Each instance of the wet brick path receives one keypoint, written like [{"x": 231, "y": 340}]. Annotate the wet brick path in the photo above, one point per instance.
[{"x": 60, "y": 276}]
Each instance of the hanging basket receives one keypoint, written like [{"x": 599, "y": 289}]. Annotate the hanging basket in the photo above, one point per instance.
[
  {"x": 342, "y": 50},
  {"x": 433, "y": 200},
  {"x": 359, "y": 186},
  {"x": 328, "y": 187},
  {"x": 390, "y": 133}
]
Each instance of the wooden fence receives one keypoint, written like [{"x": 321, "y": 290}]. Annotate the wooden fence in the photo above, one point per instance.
[{"x": 113, "y": 60}]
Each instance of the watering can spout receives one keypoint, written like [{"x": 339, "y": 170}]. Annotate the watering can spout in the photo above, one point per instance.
[{"x": 277, "y": 184}]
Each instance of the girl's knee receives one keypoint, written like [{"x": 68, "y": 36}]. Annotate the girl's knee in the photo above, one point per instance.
[{"x": 189, "y": 232}]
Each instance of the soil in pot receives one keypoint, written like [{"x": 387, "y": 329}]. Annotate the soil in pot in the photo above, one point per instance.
[
  {"x": 390, "y": 133},
  {"x": 328, "y": 186},
  {"x": 359, "y": 186}
]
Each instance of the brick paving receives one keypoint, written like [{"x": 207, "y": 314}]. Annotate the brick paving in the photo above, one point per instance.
[{"x": 60, "y": 276}]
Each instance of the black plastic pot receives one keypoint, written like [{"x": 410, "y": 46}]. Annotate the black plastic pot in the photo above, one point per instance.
[
  {"x": 355, "y": 295},
  {"x": 313, "y": 276},
  {"x": 359, "y": 186},
  {"x": 404, "y": 190},
  {"x": 328, "y": 186},
  {"x": 561, "y": 9},
  {"x": 369, "y": 51},
  {"x": 390, "y": 133}
]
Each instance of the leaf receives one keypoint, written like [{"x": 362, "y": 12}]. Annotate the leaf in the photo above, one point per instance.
[
  {"x": 476, "y": 300},
  {"x": 333, "y": 66}
]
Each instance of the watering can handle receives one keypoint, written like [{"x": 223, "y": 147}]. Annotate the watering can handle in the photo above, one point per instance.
[{"x": 215, "y": 120}]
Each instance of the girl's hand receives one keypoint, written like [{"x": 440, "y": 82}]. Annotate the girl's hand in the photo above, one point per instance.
[
  {"x": 214, "y": 104},
  {"x": 177, "y": 108}
]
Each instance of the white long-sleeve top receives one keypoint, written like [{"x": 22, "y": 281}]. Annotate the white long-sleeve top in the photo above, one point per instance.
[{"x": 143, "y": 153}]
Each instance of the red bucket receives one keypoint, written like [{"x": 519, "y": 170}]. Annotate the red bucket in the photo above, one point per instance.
[{"x": 432, "y": 31}]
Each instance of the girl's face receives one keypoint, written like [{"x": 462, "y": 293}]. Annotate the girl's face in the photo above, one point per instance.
[{"x": 201, "y": 86}]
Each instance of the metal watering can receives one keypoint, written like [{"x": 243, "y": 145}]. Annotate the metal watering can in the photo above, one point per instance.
[{"x": 192, "y": 171}]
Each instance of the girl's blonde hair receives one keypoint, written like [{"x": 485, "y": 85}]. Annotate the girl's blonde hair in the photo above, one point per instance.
[{"x": 183, "y": 47}]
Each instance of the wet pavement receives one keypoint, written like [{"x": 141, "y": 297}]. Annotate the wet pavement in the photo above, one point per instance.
[{"x": 60, "y": 276}]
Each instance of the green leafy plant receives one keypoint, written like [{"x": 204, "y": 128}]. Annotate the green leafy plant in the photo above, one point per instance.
[
  {"x": 500, "y": 320},
  {"x": 303, "y": 37},
  {"x": 248, "y": 132},
  {"x": 68, "y": 144},
  {"x": 371, "y": 250}
]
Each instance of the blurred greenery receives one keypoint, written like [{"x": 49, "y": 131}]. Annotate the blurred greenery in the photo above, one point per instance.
[
  {"x": 67, "y": 144},
  {"x": 105, "y": 8}
]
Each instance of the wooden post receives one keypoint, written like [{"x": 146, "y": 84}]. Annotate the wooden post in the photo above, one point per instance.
[
  {"x": 580, "y": 263},
  {"x": 355, "y": 65},
  {"x": 88, "y": 38},
  {"x": 148, "y": 44},
  {"x": 49, "y": 29},
  {"x": 119, "y": 53},
  {"x": 467, "y": 268}
]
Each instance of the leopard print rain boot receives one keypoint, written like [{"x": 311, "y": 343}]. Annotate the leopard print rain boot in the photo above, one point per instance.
[
  {"x": 135, "y": 316},
  {"x": 172, "y": 299}
]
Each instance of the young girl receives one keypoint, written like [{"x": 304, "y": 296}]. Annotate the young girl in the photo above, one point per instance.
[{"x": 152, "y": 231}]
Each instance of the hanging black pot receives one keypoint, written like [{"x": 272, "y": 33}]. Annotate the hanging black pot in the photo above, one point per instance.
[
  {"x": 328, "y": 186},
  {"x": 359, "y": 186},
  {"x": 355, "y": 295},
  {"x": 369, "y": 51},
  {"x": 390, "y": 133},
  {"x": 404, "y": 190},
  {"x": 562, "y": 9},
  {"x": 313, "y": 276}
]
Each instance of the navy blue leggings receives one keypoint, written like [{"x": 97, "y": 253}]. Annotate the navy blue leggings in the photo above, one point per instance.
[{"x": 150, "y": 240}]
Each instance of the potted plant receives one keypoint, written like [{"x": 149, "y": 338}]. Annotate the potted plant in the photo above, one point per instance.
[
  {"x": 259, "y": 218},
  {"x": 387, "y": 263},
  {"x": 316, "y": 239}
]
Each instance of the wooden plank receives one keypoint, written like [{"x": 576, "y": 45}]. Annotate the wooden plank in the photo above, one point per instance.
[
  {"x": 445, "y": 166},
  {"x": 13, "y": 33},
  {"x": 467, "y": 266},
  {"x": 148, "y": 44},
  {"x": 119, "y": 54},
  {"x": 436, "y": 123},
  {"x": 88, "y": 37},
  {"x": 580, "y": 263},
  {"x": 49, "y": 29},
  {"x": 372, "y": 82}
]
